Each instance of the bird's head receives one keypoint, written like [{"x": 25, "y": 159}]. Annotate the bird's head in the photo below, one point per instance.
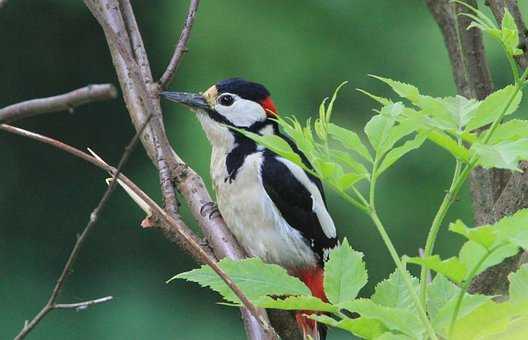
[{"x": 231, "y": 102}]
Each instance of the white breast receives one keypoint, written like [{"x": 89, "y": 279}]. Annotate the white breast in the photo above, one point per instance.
[{"x": 252, "y": 216}]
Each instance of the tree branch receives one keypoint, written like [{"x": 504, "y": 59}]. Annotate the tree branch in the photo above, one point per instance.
[
  {"x": 120, "y": 27},
  {"x": 63, "y": 102},
  {"x": 181, "y": 46},
  {"x": 496, "y": 193},
  {"x": 177, "y": 225},
  {"x": 473, "y": 80},
  {"x": 94, "y": 216}
]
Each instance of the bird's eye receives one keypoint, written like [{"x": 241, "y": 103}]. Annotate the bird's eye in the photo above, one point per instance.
[{"x": 226, "y": 100}]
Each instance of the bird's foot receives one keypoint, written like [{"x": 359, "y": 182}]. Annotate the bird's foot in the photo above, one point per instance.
[{"x": 210, "y": 209}]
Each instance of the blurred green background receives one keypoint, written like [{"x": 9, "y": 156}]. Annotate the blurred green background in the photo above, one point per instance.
[{"x": 299, "y": 49}]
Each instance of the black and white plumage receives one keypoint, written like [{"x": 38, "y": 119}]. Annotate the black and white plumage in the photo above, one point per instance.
[{"x": 272, "y": 206}]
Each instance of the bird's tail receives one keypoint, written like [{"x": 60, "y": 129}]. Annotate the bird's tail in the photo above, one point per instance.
[{"x": 314, "y": 279}]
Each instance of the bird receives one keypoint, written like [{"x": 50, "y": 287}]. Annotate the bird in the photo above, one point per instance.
[{"x": 275, "y": 209}]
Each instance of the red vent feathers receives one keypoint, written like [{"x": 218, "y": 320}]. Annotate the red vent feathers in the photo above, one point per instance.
[{"x": 269, "y": 107}]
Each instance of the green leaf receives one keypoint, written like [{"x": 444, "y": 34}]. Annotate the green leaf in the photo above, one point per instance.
[
  {"x": 514, "y": 229},
  {"x": 503, "y": 155},
  {"x": 438, "y": 110},
  {"x": 511, "y": 131},
  {"x": 452, "y": 268},
  {"x": 404, "y": 90},
  {"x": 350, "y": 140},
  {"x": 361, "y": 327},
  {"x": 489, "y": 319},
  {"x": 469, "y": 303},
  {"x": 348, "y": 180},
  {"x": 344, "y": 274},
  {"x": 347, "y": 161},
  {"x": 330, "y": 107},
  {"x": 395, "y": 319},
  {"x": 493, "y": 106},
  {"x": 379, "y": 126},
  {"x": 254, "y": 277},
  {"x": 472, "y": 253},
  {"x": 395, "y": 154},
  {"x": 307, "y": 303},
  {"x": 507, "y": 35},
  {"x": 484, "y": 235},
  {"x": 328, "y": 170},
  {"x": 439, "y": 293},
  {"x": 444, "y": 141},
  {"x": 393, "y": 336},
  {"x": 383, "y": 101},
  {"x": 510, "y": 34},
  {"x": 519, "y": 285},
  {"x": 461, "y": 109},
  {"x": 516, "y": 329},
  {"x": 275, "y": 144},
  {"x": 392, "y": 292}
]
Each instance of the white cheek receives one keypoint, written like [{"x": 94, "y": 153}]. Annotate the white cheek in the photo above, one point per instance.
[{"x": 243, "y": 112}]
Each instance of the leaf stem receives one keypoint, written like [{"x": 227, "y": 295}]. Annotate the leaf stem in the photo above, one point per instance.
[
  {"x": 406, "y": 278},
  {"x": 465, "y": 288},
  {"x": 519, "y": 84},
  {"x": 458, "y": 180},
  {"x": 393, "y": 252},
  {"x": 456, "y": 183}
]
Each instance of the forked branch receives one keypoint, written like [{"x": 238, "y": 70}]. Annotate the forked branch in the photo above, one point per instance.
[{"x": 176, "y": 225}]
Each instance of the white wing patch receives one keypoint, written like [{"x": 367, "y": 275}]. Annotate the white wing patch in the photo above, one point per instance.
[{"x": 318, "y": 205}]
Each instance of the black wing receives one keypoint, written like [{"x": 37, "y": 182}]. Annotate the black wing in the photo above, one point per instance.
[{"x": 294, "y": 202}]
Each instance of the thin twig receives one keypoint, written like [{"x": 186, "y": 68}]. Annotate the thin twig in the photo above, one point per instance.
[
  {"x": 181, "y": 46},
  {"x": 63, "y": 102},
  {"x": 82, "y": 305},
  {"x": 443, "y": 11},
  {"x": 153, "y": 205},
  {"x": 94, "y": 216}
]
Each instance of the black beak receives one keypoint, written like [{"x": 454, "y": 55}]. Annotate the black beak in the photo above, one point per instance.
[{"x": 192, "y": 100}]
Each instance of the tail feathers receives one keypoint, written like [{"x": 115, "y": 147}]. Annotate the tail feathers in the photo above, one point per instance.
[
  {"x": 314, "y": 279},
  {"x": 311, "y": 329}
]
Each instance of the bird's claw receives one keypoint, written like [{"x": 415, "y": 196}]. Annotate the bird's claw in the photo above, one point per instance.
[{"x": 210, "y": 209}]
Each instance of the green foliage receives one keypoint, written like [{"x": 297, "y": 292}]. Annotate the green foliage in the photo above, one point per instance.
[
  {"x": 300, "y": 302},
  {"x": 452, "y": 268},
  {"x": 404, "y": 307},
  {"x": 392, "y": 292},
  {"x": 344, "y": 274},
  {"x": 519, "y": 285},
  {"x": 361, "y": 327},
  {"x": 486, "y": 246},
  {"x": 254, "y": 277},
  {"x": 507, "y": 34},
  {"x": 512, "y": 130},
  {"x": 394, "y": 319},
  {"x": 493, "y": 106},
  {"x": 439, "y": 293},
  {"x": 491, "y": 319}
]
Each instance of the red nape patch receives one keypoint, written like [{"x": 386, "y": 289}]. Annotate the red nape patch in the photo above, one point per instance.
[
  {"x": 314, "y": 279},
  {"x": 269, "y": 107}
]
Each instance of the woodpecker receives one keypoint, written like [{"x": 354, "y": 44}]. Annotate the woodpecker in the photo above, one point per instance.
[{"x": 275, "y": 209}]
